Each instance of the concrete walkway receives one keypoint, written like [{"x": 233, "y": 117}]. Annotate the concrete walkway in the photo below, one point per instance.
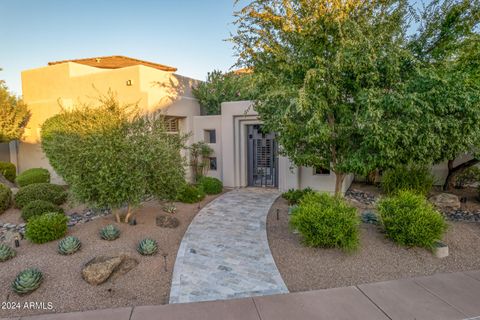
[
  {"x": 454, "y": 296},
  {"x": 225, "y": 253}
]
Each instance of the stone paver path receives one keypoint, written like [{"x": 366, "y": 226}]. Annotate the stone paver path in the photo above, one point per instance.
[{"x": 225, "y": 254}]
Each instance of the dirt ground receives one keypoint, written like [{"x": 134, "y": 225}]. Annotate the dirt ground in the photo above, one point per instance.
[
  {"x": 63, "y": 286},
  {"x": 378, "y": 258}
]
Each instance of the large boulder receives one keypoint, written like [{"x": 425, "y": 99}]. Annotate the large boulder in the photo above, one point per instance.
[
  {"x": 445, "y": 201},
  {"x": 100, "y": 269}
]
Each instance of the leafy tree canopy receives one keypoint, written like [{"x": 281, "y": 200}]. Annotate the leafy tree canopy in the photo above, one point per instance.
[
  {"x": 112, "y": 156},
  {"x": 14, "y": 115},
  {"x": 223, "y": 87},
  {"x": 346, "y": 88}
]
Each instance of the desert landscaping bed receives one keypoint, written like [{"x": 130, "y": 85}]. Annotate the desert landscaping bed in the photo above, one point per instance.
[
  {"x": 377, "y": 259},
  {"x": 147, "y": 284}
]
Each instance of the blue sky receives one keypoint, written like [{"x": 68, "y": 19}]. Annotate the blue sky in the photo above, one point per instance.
[{"x": 187, "y": 34}]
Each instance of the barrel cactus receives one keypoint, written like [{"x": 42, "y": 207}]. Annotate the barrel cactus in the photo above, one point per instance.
[
  {"x": 147, "y": 247},
  {"x": 6, "y": 252},
  {"x": 69, "y": 245},
  {"x": 27, "y": 281},
  {"x": 109, "y": 232}
]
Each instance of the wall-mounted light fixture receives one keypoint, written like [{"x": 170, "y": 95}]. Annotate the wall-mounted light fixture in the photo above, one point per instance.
[{"x": 129, "y": 83}]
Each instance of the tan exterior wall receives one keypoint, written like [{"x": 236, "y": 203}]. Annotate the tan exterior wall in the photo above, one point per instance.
[{"x": 67, "y": 84}]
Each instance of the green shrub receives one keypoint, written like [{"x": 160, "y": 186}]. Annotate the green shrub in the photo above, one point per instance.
[
  {"x": 47, "y": 227},
  {"x": 415, "y": 178},
  {"x": 8, "y": 170},
  {"x": 190, "y": 194},
  {"x": 5, "y": 197},
  {"x": 293, "y": 196},
  {"x": 409, "y": 219},
  {"x": 210, "y": 185},
  {"x": 468, "y": 176},
  {"x": 34, "y": 175},
  {"x": 326, "y": 221},
  {"x": 40, "y": 191},
  {"x": 39, "y": 207}
]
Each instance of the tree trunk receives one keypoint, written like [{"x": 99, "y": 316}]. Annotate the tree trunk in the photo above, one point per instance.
[
  {"x": 338, "y": 183},
  {"x": 454, "y": 171},
  {"x": 117, "y": 215},
  {"x": 129, "y": 213},
  {"x": 4, "y": 181}
]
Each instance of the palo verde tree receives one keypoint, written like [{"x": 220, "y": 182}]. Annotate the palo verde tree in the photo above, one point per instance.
[
  {"x": 113, "y": 156},
  {"x": 314, "y": 61}
]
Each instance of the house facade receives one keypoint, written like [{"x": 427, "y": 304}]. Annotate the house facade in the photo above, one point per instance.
[{"x": 243, "y": 154}]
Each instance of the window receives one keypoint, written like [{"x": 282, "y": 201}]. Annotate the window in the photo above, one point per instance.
[
  {"x": 320, "y": 171},
  {"x": 210, "y": 136},
  {"x": 213, "y": 164},
  {"x": 171, "y": 124}
]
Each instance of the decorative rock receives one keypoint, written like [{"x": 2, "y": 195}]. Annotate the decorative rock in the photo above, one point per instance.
[
  {"x": 99, "y": 269},
  {"x": 440, "y": 250},
  {"x": 444, "y": 201},
  {"x": 11, "y": 235}
]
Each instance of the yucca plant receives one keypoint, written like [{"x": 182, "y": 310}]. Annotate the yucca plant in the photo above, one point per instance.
[
  {"x": 69, "y": 245},
  {"x": 109, "y": 232},
  {"x": 6, "y": 252},
  {"x": 27, "y": 281},
  {"x": 147, "y": 247}
]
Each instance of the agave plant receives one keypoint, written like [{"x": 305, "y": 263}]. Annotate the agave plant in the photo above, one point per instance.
[
  {"x": 69, "y": 245},
  {"x": 6, "y": 252},
  {"x": 109, "y": 232},
  {"x": 170, "y": 208},
  {"x": 147, "y": 247},
  {"x": 27, "y": 281}
]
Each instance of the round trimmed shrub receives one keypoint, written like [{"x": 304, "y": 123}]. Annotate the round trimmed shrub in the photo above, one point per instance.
[
  {"x": 326, "y": 221},
  {"x": 293, "y": 196},
  {"x": 415, "y": 178},
  {"x": 190, "y": 194},
  {"x": 39, "y": 207},
  {"x": 410, "y": 220},
  {"x": 5, "y": 197},
  {"x": 40, "y": 191},
  {"x": 8, "y": 170},
  {"x": 210, "y": 185},
  {"x": 47, "y": 227},
  {"x": 34, "y": 175}
]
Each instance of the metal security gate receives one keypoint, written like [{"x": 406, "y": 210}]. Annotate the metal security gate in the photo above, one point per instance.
[{"x": 262, "y": 158}]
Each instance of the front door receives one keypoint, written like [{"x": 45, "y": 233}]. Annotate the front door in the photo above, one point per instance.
[{"x": 262, "y": 158}]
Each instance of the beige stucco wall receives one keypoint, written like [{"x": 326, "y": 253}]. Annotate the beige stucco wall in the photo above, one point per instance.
[{"x": 68, "y": 84}]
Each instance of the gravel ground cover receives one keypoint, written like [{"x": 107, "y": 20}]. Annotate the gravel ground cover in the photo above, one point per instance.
[
  {"x": 63, "y": 286},
  {"x": 378, "y": 258}
]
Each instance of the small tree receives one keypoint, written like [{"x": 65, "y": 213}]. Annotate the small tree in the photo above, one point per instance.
[
  {"x": 200, "y": 154},
  {"x": 223, "y": 87},
  {"x": 111, "y": 156},
  {"x": 14, "y": 115}
]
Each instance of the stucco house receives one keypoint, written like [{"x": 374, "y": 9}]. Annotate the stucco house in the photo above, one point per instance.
[{"x": 243, "y": 156}]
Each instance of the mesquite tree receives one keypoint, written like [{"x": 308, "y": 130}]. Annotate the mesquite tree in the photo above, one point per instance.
[{"x": 112, "y": 156}]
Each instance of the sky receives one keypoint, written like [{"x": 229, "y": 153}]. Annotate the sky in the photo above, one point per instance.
[{"x": 187, "y": 34}]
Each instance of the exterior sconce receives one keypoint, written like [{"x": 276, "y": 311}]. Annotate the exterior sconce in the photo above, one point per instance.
[{"x": 129, "y": 83}]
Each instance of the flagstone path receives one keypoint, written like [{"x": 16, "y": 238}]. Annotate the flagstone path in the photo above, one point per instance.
[{"x": 225, "y": 254}]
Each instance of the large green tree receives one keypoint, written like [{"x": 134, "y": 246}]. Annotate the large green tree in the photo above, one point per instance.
[
  {"x": 346, "y": 87},
  {"x": 315, "y": 60},
  {"x": 112, "y": 156},
  {"x": 223, "y": 87}
]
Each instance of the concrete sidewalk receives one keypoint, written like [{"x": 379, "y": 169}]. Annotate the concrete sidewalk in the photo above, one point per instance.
[{"x": 439, "y": 297}]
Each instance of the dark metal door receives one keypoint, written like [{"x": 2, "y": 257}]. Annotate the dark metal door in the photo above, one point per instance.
[{"x": 262, "y": 158}]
